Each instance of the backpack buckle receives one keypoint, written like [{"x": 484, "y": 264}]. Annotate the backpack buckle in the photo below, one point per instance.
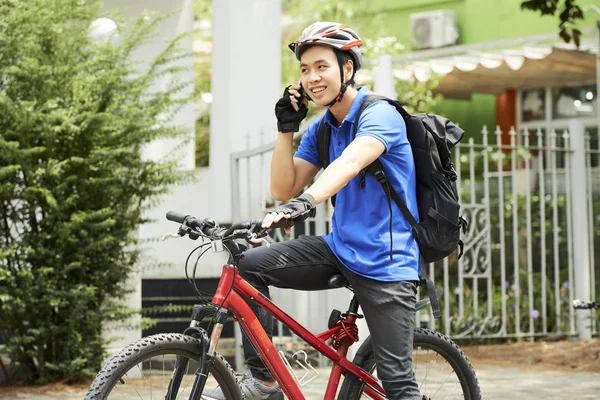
[
  {"x": 380, "y": 176},
  {"x": 362, "y": 182},
  {"x": 463, "y": 224}
]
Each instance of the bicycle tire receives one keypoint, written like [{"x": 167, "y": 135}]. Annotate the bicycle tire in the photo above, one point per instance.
[
  {"x": 424, "y": 340},
  {"x": 144, "y": 350}
]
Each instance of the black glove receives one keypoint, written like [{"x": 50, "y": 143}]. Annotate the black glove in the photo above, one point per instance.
[
  {"x": 299, "y": 208},
  {"x": 288, "y": 119}
]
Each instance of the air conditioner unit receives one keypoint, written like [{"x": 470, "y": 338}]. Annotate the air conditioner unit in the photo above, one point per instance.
[{"x": 432, "y": 29}]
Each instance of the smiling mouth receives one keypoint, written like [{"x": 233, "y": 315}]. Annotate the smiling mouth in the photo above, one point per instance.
[{"x": 317, "y": 91}]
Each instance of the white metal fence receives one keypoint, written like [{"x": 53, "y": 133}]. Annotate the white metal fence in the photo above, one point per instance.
[{"x": 532, "y": 199}]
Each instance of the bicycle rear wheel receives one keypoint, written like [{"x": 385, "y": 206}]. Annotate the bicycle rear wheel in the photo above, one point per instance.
[
  {"x": 144, "y": 370},
  {"x": 441, "y": 368}
]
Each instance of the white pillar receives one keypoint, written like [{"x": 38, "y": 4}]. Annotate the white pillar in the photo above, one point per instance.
[
  {"x": 384, "y": 82},
  {"x": 169, "y": 28},
  {"x": 180, "y": 22},
  {"x": 246, "y": 83},
  {"x": 581, "y": 253}
]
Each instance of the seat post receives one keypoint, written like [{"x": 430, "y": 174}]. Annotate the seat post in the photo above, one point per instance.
[{"x": 353, "y": 307}]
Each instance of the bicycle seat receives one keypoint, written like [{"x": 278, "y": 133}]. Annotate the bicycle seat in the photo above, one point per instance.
[{"x": 338, "y": 281}]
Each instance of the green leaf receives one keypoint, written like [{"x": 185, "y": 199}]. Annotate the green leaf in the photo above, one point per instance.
[{"x": 74, "y": 116}]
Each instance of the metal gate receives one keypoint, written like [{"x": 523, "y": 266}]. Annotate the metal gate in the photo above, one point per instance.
[{"x": 532, "y": 199}]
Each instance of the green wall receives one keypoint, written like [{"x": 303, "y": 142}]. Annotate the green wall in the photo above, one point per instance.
[
  {"x": 470, "y": 115},
  {"x": 478, "y": 20}
]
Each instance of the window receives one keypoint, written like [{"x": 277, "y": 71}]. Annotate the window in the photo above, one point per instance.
[
  {"x": 533, "y": 105},
  {"x": 574, "y": 101}
]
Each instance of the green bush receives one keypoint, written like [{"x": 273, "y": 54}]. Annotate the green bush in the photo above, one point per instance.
[{"x": 75, "y": 114}]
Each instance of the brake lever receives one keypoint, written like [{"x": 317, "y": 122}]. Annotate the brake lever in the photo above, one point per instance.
[
  {"x": 255, "y": 239},
  {"x": 181, "y": 232},
  {"x": 168, "y": 236}
]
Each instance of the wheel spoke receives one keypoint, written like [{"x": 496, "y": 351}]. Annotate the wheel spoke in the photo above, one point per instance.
[
  {"x": 145, "y": 380},
  {"x": 427, "y": 369},
  {"x": 120, "y": 392},
  {"x": 140, "y": 371},
  {"x": 445, "y": 372}
]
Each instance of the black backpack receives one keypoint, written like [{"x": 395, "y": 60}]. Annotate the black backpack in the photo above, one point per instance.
[{"x": 431, "y": 137}]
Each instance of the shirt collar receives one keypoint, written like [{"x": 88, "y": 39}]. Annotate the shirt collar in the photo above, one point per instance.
[{"x": 363, "y": 92}]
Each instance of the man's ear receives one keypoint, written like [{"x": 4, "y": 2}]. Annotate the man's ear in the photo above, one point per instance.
[{"x": 348, "y": 69}]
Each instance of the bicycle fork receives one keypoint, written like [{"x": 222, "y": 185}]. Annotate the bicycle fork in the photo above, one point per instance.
[{"x": 207, "y": 351}]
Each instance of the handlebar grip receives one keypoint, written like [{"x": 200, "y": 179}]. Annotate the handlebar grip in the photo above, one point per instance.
[
  {"x": 283, "y": 223},
  {"x": 176, "y": 217}
]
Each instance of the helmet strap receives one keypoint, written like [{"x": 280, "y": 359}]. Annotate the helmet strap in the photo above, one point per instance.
[
  {"x": 341, "y": 93},
  {"x": 344, "y": 86}
]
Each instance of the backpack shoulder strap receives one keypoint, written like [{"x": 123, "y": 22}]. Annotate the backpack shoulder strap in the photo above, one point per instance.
[
  {"x": 323, "y": 140},
  {"x": 376, "y": 168},
  {"x": 433, "y": 298},
  {"x": 370, "y": 99}
]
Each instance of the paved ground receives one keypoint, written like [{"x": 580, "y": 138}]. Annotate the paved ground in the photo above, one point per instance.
[{"x": 496, "y": 384}]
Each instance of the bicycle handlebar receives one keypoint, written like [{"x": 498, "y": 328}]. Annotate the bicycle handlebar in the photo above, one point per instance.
[
  {"x": 208, "y": 227},
  {"x": 176, "y": 217}
]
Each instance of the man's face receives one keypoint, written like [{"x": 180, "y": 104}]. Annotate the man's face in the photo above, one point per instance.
[{"x": 320, "y": 74}]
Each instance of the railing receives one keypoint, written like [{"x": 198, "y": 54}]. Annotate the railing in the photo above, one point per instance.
[{"x": 530, "y": 198}]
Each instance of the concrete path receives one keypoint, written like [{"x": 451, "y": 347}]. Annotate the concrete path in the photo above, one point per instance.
[{"x": 496, "y": 384}]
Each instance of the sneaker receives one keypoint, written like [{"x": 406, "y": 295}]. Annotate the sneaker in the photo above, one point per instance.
[{"x": 251, "y": 390}]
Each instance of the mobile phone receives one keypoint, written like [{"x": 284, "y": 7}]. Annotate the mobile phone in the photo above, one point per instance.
[{"x": 301, "y": 99}]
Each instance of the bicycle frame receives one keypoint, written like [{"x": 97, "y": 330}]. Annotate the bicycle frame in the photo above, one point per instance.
[{"x": 231, "y": 298}]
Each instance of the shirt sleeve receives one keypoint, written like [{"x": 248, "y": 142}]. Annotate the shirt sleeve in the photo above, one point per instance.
[
  {"x": 308, "y": 146},
  {"x": 382, "y": 121}
]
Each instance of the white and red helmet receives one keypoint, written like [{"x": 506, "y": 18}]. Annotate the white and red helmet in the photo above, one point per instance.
[{"x": 333, "y": 34}]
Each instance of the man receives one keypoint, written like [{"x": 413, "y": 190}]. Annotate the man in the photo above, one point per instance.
[{"x": 379, "y": 259}]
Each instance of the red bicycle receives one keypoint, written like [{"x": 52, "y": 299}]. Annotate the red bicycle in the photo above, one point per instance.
[{"x": 179, "y": 366}]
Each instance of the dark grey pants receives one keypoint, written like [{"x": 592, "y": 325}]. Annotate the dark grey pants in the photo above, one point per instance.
[{"x": 307, "y": 263}]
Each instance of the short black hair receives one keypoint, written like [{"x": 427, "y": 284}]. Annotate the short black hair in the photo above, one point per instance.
[
  {"x": 345, "y": 56},
  {"x": 342, "y": 56}
]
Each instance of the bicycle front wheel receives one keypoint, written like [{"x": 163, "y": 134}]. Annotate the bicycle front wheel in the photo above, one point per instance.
[
  {"x": 441, "y": 369},
  {"x": 145, "y": 370}
]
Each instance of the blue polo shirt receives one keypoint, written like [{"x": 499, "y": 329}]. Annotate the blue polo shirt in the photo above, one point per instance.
[{"x": 360, "y": 235}]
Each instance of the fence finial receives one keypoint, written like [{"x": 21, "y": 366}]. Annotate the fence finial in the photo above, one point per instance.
[{"x": 525, "y": 134}]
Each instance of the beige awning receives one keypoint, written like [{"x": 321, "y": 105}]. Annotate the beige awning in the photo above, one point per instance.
[{"x": 526, "y": 67}]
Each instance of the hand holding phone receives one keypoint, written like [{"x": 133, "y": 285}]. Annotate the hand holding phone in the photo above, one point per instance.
[
  {"x": 296, "y": 104},
  {"x": 288, "y": 119}
]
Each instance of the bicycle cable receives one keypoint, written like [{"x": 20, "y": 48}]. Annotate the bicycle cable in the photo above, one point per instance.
[
  {"x": 232, "y": 280},
  {"x": 199, "y": 294},
  {"x": 192, "y": 280}
]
